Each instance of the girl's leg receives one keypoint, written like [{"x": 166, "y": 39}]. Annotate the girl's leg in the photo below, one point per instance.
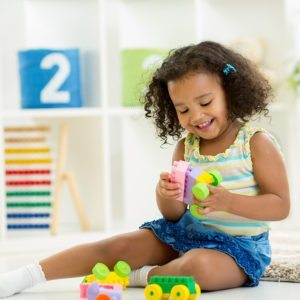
[
  {"x": 213, "y": 270},
  {"x": 138, "y": 248}
]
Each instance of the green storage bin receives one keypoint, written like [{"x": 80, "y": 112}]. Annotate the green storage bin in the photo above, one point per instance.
[{"x": 138, "y": 66}]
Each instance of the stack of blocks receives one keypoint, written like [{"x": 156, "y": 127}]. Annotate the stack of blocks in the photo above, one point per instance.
[
  {"x": 186, "y": 175},
  {"x": 193, "y": 181},
  {"x": 105, "y": 284}
]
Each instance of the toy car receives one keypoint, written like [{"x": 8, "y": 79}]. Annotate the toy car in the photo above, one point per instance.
[{"x": 173, "y": 287}]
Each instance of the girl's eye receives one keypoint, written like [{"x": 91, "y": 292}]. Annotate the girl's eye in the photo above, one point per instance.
[
  {"x": 183, "y": 112},
  {"x": 206, "y": 104}
]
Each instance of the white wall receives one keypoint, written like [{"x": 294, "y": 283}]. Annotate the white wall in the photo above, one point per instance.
[{"x": 136, "y": 156}]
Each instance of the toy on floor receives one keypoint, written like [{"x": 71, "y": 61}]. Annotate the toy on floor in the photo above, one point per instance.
[
  {"x": 193, "y": 180},
  {"x": 91, "y": 290},
  {"x": 98, "y": 291},
  {"x": 172, "y": 287},
  {"x": 106, "y": 279}
]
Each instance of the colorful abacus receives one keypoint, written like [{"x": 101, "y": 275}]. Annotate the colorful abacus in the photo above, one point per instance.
[{"x": 29, "y": 172}]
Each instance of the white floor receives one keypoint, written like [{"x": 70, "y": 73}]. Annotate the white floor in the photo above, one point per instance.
[
  {"x": 11, "y": 257},
  {"x": 68, "y": 289}
]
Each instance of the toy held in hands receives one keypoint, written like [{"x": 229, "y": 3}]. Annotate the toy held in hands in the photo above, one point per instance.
[
  {"x": 172, "y": 287},
  {"x": 193, "y": 181}
]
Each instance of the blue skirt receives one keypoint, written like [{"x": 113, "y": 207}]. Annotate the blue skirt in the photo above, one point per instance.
[{"x": 251, "y": 253}]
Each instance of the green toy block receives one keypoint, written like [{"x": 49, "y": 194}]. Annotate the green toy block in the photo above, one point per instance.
[
  {"x": 172, "y": 287},
  {"x": 200, "y": 191},
  {"x": 138, "y": 65},
  {"x": 167, "y": 282},
  {"x": 217, "y": 176},
  {"x": 122, "y": 268},
  {"x": 100, "y": 270}
]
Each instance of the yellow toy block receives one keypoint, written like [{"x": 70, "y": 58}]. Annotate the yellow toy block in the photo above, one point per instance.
[
  {"x": 205, "y": 178},
  {"x": 113, "y": 278},
  {"x": 103, "y": 275}
]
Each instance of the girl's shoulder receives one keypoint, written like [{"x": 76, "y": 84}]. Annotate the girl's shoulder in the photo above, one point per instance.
[{"x": 251, "y": 130}]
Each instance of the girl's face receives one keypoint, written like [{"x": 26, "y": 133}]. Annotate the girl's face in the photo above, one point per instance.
[{"x": 200, "y": 104}]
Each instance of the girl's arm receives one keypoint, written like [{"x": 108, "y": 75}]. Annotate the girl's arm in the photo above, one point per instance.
[
  {"x": 167, "y": 192},
  {"x": 273, "y": 203}
]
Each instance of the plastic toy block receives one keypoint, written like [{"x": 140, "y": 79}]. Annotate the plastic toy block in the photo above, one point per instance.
[
  {"x": 217, "y": 176},
  {"x": 191, "y": 176},
  {"x": 172, "y": 287},
  {"x": 100, "y": 270},
  {"x": 103, "y": 275},
  {"x": 96, "y": 292},
  {"x": 178, "y": 174},
  {"x": 194, "y": 182},
  {"x": 84, "y": 287},
  {"x": 201, "y": 191},
  {"x": 113, "y": 278},
  {"x": 204, "y": 178},
  {"x": 122, "y": 269}
]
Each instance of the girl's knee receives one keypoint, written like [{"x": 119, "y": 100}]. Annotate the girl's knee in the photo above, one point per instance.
[
  {"x": 198, "y": 264},
  {"x": 209, "y": 269}
]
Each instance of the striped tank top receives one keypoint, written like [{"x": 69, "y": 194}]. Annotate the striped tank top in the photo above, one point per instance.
[{"x": 235, "y": 165}]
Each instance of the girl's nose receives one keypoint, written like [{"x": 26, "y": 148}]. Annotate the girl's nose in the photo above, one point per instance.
[{"x": 196, "y": 117}]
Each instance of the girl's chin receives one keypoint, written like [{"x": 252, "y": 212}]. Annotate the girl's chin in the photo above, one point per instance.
[{"x": 208, "y": 135}]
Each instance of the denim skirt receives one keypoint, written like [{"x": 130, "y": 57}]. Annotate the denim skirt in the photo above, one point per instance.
[{"x": 251, "y": 253}]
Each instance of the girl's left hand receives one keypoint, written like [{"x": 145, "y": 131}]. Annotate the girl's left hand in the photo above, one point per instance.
[{"x": 219, "y": 199}]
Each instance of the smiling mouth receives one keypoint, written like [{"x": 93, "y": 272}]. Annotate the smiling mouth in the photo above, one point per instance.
[{"x": 204, "y": 125}]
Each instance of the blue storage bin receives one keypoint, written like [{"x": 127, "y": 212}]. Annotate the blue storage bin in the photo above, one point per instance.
[{"x": 50, "y": 78}]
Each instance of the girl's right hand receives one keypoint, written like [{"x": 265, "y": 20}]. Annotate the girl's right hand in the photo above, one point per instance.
[{"x": 166, "y": 189}]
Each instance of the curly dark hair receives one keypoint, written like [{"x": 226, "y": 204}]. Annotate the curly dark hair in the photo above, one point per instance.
[{"x": 247, "y": 92}]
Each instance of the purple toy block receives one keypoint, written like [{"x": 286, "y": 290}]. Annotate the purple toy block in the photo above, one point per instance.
[
  {"x": 190, "y": 179},
  {"x": 84, "y": 287},
  {"x": 94, "y": 290}
]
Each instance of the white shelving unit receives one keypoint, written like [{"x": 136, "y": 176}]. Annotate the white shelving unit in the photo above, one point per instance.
[
  {"x": 63, "y": 24},
  {"x": 117, "y": 159}
]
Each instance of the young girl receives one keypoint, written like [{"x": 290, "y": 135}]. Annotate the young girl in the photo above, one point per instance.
[{"x": 210, "y": 92}]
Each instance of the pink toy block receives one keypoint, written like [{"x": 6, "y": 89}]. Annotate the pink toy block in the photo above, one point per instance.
[
  {"x": 184, "y": 174},
  {"x": 178, "y": 174},
  {"x": 84, "y": 287}
]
